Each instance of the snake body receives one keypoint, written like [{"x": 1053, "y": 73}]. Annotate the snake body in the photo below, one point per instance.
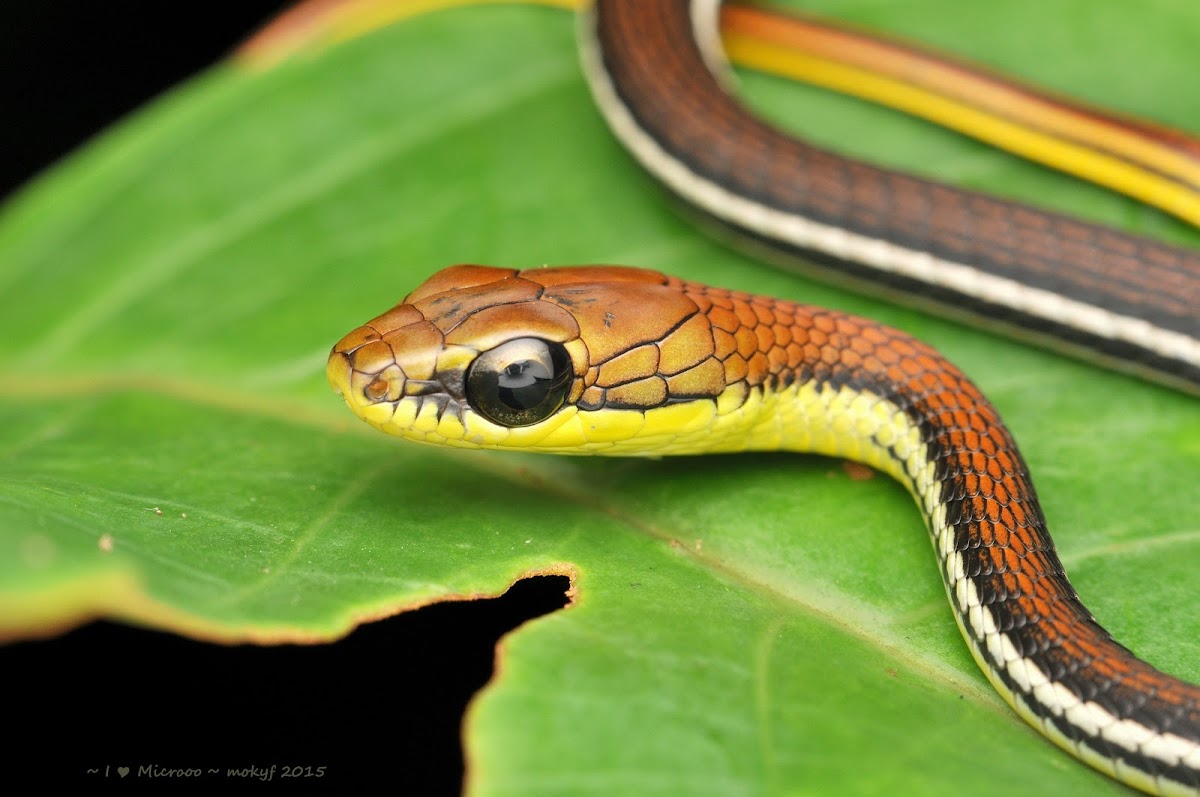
[
  {"x": 622, "y": 361},
  {"x": 655, "y": 69},
  {"x": 651, "y": 365}
]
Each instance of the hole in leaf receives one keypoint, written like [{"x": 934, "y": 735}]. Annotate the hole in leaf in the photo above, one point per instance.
[{"x": 382, "y": 707}]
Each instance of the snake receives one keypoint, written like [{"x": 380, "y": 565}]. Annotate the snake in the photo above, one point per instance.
[{"x": 627, "y": 361}]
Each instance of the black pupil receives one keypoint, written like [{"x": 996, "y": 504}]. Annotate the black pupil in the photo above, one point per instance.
[
  {"x": 524, "y": 384},
  {"x": 520, "y": 382}
]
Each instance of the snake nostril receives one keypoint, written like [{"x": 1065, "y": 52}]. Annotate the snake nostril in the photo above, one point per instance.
[{"x": 376, "y": 390}]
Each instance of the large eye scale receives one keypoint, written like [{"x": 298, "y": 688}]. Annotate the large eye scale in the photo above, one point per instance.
[{"x": 520, "y": 382}]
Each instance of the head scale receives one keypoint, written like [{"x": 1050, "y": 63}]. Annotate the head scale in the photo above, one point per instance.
[{"x": 563, "y": 359}]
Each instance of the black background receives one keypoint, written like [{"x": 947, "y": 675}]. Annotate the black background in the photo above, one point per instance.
[{"x": 381, "y": 708}]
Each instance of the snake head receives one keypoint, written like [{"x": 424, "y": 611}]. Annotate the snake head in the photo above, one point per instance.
[{"x": 556, "y": 359}]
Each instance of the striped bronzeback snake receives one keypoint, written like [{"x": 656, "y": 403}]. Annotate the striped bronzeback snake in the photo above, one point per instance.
[{"x": 608, "y": 360}]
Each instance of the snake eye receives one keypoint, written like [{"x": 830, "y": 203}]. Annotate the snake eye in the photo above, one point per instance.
[{"x": 520, "y": 382}]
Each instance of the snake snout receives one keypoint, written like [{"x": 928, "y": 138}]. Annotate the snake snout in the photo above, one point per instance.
[
  {"x": 386, "y": 360},
  {"x": 362, "y": 368},
  {"x": 337, "y": 372}
]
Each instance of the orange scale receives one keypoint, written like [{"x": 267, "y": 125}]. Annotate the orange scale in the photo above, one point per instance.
[
  {"x": 747, "y": 341},
  {"x": 1021, "y": 543},
  {"x": 874, "y": 335},
  {"x": 724, "y": 319},
  {"x": 461, "y": 277},
  {"x": 706, "y": 379},
  {"x": 888, "y": 356},
  {"x": 926, "y": 363},
  {"x": 687, "y": 345},
  {"x": 862, "y": 346},
  {"x": 912, "y": 368},
  {"x": 1006, "y": 515},
  {"x": 851, "y": 359},
  {"x": 736, "y": 369},
  {"x": 994, "y": 470},
  {"x": 724, "y": 344},
  {"x": 795, "y": 355},
  {"x": 872, "y": 365},
  {"x": 1032, "y": 608},
  {"x": 745, "y": 314},
  {"x": 848, "y": 327},
  {"x": 759, "y": 367}
]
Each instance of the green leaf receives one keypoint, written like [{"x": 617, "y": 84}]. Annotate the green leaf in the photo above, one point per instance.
[{"x": 741, "y": 625}]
